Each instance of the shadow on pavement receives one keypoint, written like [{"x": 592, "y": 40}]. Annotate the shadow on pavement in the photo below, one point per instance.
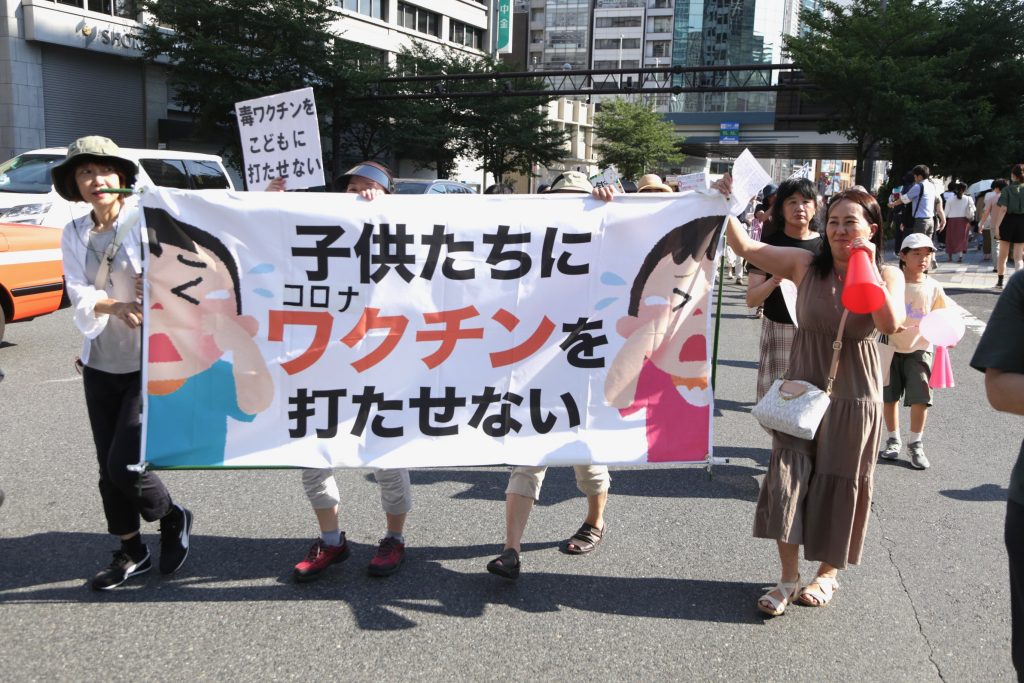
[
  {"x": 726, "y": 481},
  {"x": 225, "y": 569},
  {"x": 979, "y": 494}
]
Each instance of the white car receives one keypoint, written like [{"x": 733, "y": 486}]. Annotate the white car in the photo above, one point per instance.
[{"x": 27, "y": 195}]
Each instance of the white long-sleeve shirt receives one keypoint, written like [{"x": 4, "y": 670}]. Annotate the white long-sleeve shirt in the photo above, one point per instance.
[{"x": 120, "y": 283}]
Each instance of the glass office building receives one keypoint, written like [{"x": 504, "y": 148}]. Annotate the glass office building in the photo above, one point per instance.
[{"x": 730, "y": 32}]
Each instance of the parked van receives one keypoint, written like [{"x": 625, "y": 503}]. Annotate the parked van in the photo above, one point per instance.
[{"x": 27, "y": 195}]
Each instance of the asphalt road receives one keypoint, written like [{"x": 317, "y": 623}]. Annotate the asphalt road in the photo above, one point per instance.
[{"x": 669, "y": 595}]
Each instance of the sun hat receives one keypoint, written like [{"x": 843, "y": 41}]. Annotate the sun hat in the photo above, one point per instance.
[
  {"x": 370, "y": 170},
  {"x": 571, "y": 181},
  {"x": 83, "y": 150},
  {"x": 769, "y": 190},
  {"x": 917, "y": 240},
  {"x": 652, "y": 183}
]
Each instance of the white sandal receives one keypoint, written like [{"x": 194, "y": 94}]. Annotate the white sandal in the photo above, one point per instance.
[
  {"x": 827, "y": 586},
  {"x": 774, "y": 607}
]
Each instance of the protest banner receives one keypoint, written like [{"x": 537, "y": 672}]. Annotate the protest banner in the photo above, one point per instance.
[
  {"x": 280, "y": 137},
  {"x": 326, "y": 330}
]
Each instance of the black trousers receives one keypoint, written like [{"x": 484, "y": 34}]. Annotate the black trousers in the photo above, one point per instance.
[
  {"x": 113, "y": 402},
  {"x": 1015, "y": 551}
]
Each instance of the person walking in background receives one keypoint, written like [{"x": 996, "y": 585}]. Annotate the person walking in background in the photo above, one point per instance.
[
  {"x": 817, "y": 493},
  {"x": 792, "y": 214},
  {"x": 911, "y": 366},
  {"x": 998, "y": 356},
  {"x": 102, "y": 265},
  {"x": 370, "y": 180},
  {"x": 959, "y": 212},
  {"x": 1008, "y": 223},
  {"x": 525, "y": 482},
  {"x": 985, "y": 222},
  {"x": 921, "y": 197}
]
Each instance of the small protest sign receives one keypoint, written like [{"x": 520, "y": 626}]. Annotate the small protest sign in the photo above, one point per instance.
[{"x": 280, "y": 137}]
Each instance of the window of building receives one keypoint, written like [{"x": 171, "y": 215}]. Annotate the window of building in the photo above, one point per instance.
[
  {"x": 615, "y": 64},
  {"x": 115, "y": 8},
  {"x": 419, "y": 19},
  {"x": 661, "y": 48},
  {"x": 371, "y": 8},
  {"x": 464, "y": 34},
  {"x": 661, "y": 4},
  {"x": 617, "y": 44},
  {"x": 660, "y": 25},
  {"x": 617, "y": 22}
]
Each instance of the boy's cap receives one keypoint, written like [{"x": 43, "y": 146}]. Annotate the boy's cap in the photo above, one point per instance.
[
  {"x": 916, "y": 241},
  {"x": 571, "y": 181}
]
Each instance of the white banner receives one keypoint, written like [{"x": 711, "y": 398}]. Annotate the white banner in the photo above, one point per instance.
[
  {"x": 323, "y": 330},
  {"x": 280, "y": 137}
]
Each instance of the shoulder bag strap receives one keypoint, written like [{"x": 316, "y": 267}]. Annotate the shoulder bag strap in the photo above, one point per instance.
[
  {"x": 103, "y": 272},
  {"x": 836, "y": 346}
]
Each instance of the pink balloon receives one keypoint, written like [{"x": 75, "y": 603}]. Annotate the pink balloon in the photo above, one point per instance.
[{"x": 943, "y": 327}]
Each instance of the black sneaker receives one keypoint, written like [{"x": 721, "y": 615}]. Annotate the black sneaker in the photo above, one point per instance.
[
  {"x": 121, "y": 568},
  {"x": 174, "y": 535}
]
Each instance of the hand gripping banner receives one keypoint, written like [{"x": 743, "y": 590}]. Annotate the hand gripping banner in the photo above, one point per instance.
[{"x": 325, "y": 330}]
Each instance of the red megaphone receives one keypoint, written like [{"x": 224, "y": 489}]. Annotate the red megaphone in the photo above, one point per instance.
[{"x": 861, "y": 291}]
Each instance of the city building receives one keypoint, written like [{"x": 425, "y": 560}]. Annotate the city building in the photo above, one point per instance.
[{"x": 54, "y": 52}]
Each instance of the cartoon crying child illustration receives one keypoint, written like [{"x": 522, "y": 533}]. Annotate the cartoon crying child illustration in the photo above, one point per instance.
[
  {"x": 195, "y": 318},
  {"x": 662, "y": 367}
]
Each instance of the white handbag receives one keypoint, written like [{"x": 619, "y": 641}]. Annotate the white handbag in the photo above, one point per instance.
[{"x": 796, "y": 407}]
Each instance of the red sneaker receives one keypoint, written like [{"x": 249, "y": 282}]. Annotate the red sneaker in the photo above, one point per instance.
[
  {"x": 388, "y": 558},
  {"x": 319, "y": 558}
]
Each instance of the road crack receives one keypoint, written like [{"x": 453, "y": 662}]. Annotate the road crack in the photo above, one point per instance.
[{"x": 890, "y": 547}]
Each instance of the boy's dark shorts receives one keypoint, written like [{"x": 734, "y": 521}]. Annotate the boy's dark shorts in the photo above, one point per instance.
[{"x": 908, "y": 378}]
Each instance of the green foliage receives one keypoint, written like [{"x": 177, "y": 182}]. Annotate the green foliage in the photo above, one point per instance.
[
  {"x": 908, "y": 78},
  {"x": 633, "y": 137},
  {"x": 225, "y": 51},
  {"x": 507, "y": 133}
]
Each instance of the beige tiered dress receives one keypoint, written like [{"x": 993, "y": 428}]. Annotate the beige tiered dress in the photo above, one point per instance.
[{"x": 818, "y": 493}]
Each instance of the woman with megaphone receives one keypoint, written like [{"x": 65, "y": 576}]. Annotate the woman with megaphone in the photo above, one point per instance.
[{"x": 817, "y": 492}]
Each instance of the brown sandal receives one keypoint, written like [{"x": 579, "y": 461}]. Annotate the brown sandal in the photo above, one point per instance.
[{"x": 585, "y": 540}]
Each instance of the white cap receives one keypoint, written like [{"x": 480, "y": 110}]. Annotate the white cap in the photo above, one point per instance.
[{"x": 916, "y": 241}]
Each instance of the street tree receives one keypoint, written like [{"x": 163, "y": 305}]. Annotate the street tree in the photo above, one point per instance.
[
  {"x": 510, "y": 133},
  {"x": 884, "y": 76},
  {"x": 633, "y": 137},
  {"x": 930, "y": 81},
  {"x": 225, "y": 51},
  {"x": 429, "y": 132}
]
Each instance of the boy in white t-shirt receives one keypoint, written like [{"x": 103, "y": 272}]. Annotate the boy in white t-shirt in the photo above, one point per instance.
[{"x": 911, "y": 366}]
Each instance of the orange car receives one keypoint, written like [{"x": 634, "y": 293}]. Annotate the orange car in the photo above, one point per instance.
[{"x": 31, "y": 273}]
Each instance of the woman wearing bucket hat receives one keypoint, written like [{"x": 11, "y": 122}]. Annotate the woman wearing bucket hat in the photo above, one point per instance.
[{"x": 101, "y": 253}]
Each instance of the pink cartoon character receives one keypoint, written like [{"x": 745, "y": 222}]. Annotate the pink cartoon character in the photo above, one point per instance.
[{"x": 663, "y": 365}]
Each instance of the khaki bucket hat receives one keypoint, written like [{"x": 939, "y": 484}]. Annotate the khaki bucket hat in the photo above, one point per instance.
[
  {"x": 571, "y": 181},
  {"x": 82, "y": 150},
  {"x": 652, "y": 183}
]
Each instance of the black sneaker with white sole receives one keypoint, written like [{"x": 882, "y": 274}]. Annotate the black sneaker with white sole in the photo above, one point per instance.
[
  {"x": 175, "y": 528},
  {"x": 121, "y": 568}
]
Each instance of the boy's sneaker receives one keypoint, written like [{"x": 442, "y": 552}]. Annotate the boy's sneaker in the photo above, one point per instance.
[
  {"x": 891, "y": 450},
  {"x": 917, "y": 457},
  {"x": 175, "y": 528},
  {"x": 122, "y": 568},
  {"x": 319, "y": 558},
  {"x": 388, "y": 559}
]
